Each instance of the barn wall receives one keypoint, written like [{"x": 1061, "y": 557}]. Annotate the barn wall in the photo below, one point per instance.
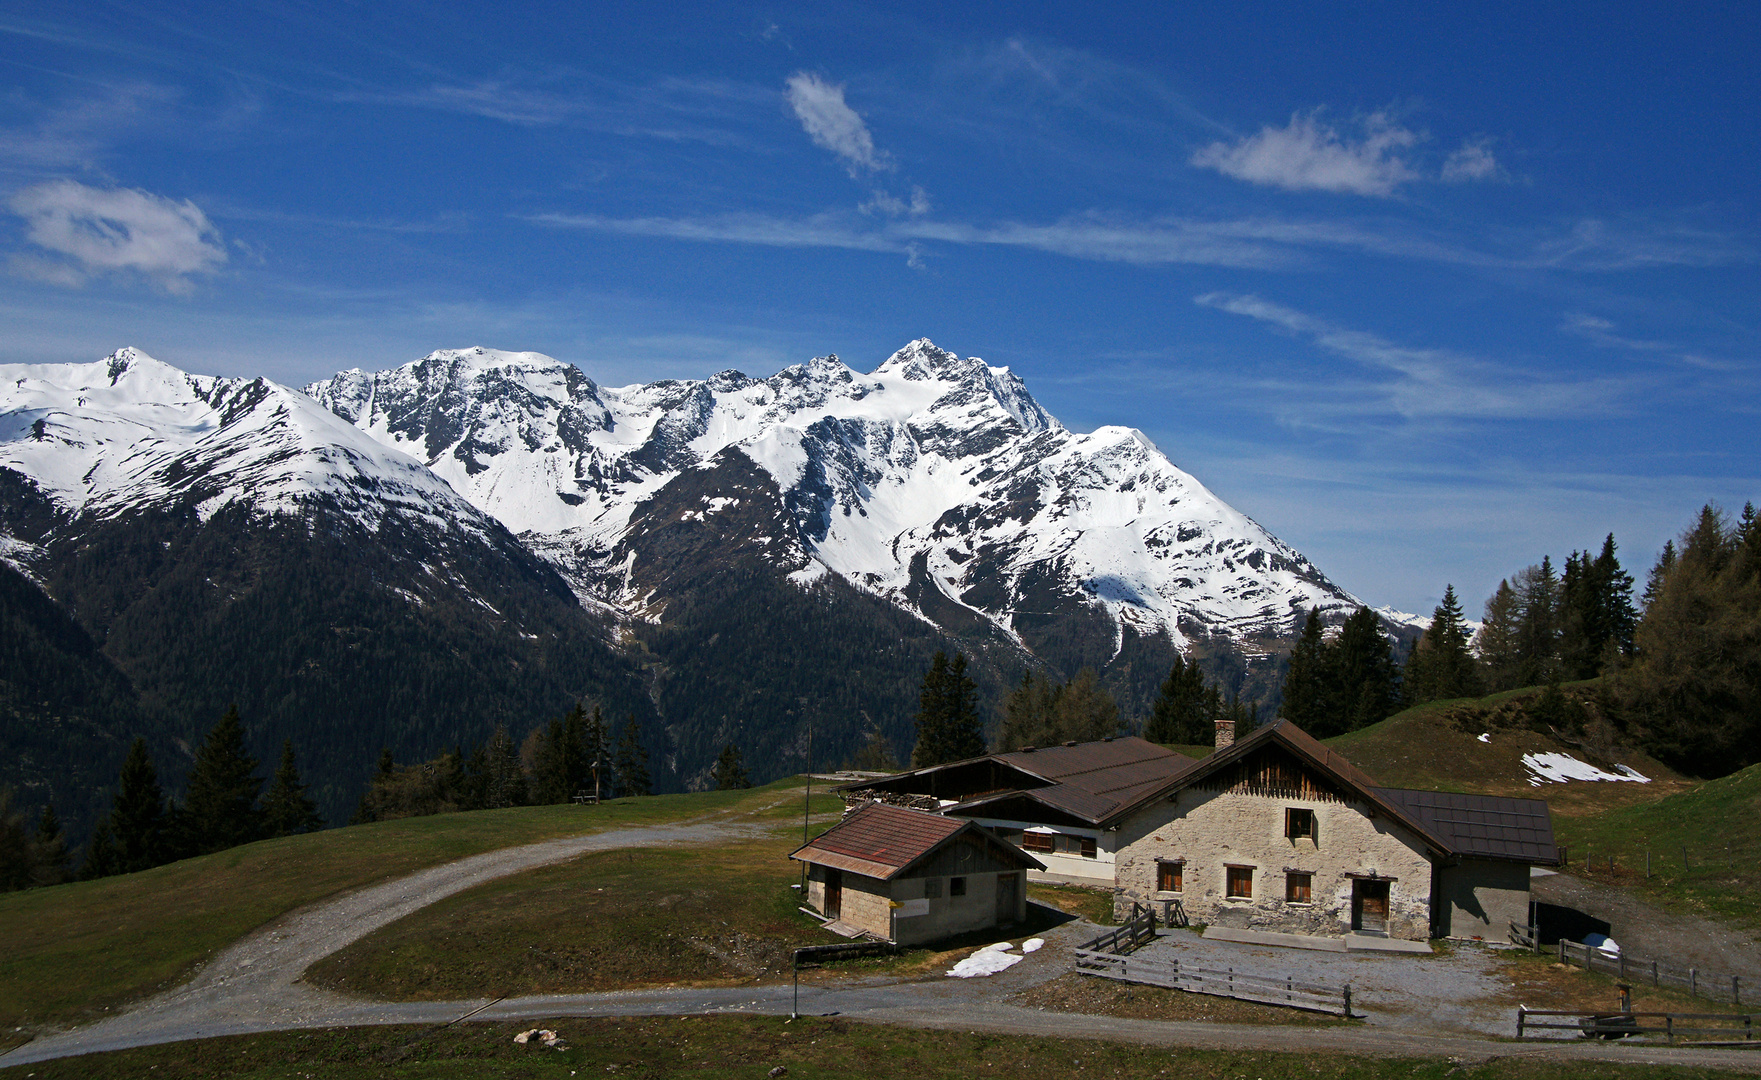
[{"x": 1480, "y": 898}]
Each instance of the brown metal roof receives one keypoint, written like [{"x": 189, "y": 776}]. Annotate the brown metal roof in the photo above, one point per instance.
[
  {"x": 880, "y": 841},
  {"x": 1483, "y": 826}
]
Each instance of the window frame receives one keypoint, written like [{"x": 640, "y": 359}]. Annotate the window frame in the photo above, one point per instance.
[
  {"x": 1293, "y": 814},
  {"x": 1172, "y": 871},
  {"x": 1086, "y": 847},
  {"x": 1231, "y": 875},
  {"x": 1040, "y": 843},
  {"x": 956, "y": 887},
  {"x": 1299, "y": 880}
]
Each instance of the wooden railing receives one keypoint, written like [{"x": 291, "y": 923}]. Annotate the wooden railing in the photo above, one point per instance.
[
  {"x": 1632, "y": 969},
  {"x": 1227, "y": 982},
  {"x": 1139, "y": 928},
  {"x": 1730, "y": 1027}
]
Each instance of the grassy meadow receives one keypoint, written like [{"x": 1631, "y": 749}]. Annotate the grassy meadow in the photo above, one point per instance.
[{"x": 73, "y": 952}]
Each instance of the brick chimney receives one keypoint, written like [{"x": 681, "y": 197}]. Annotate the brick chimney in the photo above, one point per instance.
[{"x": 1225, "y": 733}]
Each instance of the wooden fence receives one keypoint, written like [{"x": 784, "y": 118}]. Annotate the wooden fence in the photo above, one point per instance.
[
  {"x": 1632, "y": 969},
  {"x": 1139, "y": 928},
  {"x": 1727, "y": 1028},
  {"x": 1227, "y": 982}
]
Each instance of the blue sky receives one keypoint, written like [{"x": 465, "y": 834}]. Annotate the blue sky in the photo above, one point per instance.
[{"x": 1428, "y": 295}]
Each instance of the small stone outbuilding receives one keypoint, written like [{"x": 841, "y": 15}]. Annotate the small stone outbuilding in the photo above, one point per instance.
[{"x": 912, "y": 877}]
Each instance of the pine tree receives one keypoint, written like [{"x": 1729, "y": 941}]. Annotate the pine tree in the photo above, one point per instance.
[
  {"x": 1537, "y": 625},
  {"x": 506, "y": 783},
  {"x": 49, "y": 861},
  {"x": 948, "y": 725},
  {"x": 1441, "y": 666},
  {"x": 101, "y": 858},
  {"x": 730, "y": 772},
  {"x": 1085, "y": 710},
  {"x": 287, "y": 809},
  {"x": 632, "y": 760},
  {"x": 1660, "y": 570},
  {"x": 1692, "y": 687},
  {"x": 1305, "y": 694},
  {"x": 138, "y": 814},
  {"x": 220, "y": 807},
  {"x": 15, "y": 846},
  {"x": 1029, "y": 715},
  {"x": 598, "y": 757},
  {"x": 1183, "y": 712},
  {"x": 1499, "y": 639},
  {"x": 1363, "y": 675},
  {"x": 874, "y": 755}
]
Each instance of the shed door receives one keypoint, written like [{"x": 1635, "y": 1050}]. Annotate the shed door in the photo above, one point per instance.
[
  {"x": 834, "y": 893},
  {"x": 1008, "y": 893},
  {"x": 1369, "y": 906}
]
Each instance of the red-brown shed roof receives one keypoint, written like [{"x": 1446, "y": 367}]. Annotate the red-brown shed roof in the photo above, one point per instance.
[{"x": 881, "y": 841}]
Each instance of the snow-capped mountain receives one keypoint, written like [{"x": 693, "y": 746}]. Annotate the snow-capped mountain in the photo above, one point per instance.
[
  {"x": 932, "y": 481},
  {"x": 129, "y": 433}
]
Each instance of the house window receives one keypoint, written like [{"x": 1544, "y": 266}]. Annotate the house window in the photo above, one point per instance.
[
  {"x": 1299, "y": 824},
  {"x": 1087, "y": 846},
  {"x": 932, "y": 888},
  {"x": 1298, "y": 888},
  {"x": 1043, "y": 842},
  {"x": 1239, "y": 882},
  {"x": 1170, "y": 876},
  {"x": 956, "y": 886}
]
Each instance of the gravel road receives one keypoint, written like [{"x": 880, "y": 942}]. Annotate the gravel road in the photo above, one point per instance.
[
  {"x": 253, "y": 986},
  {"x": 1680, "y": 941}
]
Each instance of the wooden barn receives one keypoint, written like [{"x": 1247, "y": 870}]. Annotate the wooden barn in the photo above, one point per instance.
[{"x": 912, "y": 877}]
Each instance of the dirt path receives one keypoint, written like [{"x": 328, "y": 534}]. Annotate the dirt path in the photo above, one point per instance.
[
  {"x": 253, "y": 986},
  {"x": 1644, "y": 931}
]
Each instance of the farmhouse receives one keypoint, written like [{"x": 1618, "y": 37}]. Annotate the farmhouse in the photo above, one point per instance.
[
  {"x": 911, "y": 877},
  {"x": 1055, "y": 802},
  {"x": 1272, "y": 832}
]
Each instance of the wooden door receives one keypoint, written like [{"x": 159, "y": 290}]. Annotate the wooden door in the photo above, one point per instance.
[
  {"x": 834, "y": 893},
  {"x": 1008, "y": 897},
  {"x": 1369, "y": 906}
]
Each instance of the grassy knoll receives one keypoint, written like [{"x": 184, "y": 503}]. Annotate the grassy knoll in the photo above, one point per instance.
[
  {"x": 1436, "y": 746},
  {"x": 606, "y": 921},
  {"x": 1093, "y": 904},
  {"x": 749, "y": 1048},
  {"x": 1713, "y": 822},
  {"x": 75, "y": 951}
]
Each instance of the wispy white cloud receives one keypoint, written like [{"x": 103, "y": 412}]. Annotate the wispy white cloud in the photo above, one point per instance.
[
  {"x": 885, "y": 202},
  {"x": 1430, "y": 383},
  {"x": 834, "y": 125},
  {"x": 1596, "y": 244},
  {"x": 1603, "y": 332},
  {"x": 1309, "y": 154},
  {"x": 820, "y": 231},
  {"x": 1472, "y": 160},
  {"x": 115, "y": 230}
]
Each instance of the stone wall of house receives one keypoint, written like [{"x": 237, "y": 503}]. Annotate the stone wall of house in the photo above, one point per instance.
[
  {"x": 1214, "y": 830},
  {"x": 944, "y": 914},
  {"x": 867, "y": 905},
  {"x": 1480, "y": 898}
]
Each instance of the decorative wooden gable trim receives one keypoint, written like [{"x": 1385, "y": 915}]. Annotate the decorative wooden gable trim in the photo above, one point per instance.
[{"x": 1272, "y": 771}]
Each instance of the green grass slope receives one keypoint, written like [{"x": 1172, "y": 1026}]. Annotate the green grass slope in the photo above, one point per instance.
[
  {"x": 1709, "y": 825},
  {"x": 73, "y": 952},
  {"x": 1436, "y": 746}
]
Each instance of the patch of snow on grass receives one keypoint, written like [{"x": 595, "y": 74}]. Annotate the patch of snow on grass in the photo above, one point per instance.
[
  {"x": 1033, "y": 944},
  {"x": 1485, "y": 736},
  {"x": 1558, "y": 768}
]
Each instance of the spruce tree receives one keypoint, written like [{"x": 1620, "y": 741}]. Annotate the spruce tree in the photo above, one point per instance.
[
  {"x": 1363, "y": 675},
  {"x": 101, "y": 858},
  {"x": 506, "y": 783},
  {"x": 138, "y": 814},
  {"x": 1659, "y": 570},
  {"x": 49, "y": 861},
  {"x": 15, "y": 846},
  {"x": 963, "y": 733},
  {"x": 1182, "y": 713},
  {"x": 1085, "y": 711},
  {"x": 603, "y": 766},
  {"x": 632, "y": 760},
  {"x": 287, "y": 809},
  {"x": 1306, "y": 691},
  {"x": 1029, "y": 715},
  {"x": 730, "y": 771},
  {"x": 874, "y": 755},
  {"x": 1441, "y": 666},
  {"x": 932, "y": 715},
  {"x": 1500, "y": 639},
  {"x": 220, "y": 806},
  {"x": 1537, "y": 625}
]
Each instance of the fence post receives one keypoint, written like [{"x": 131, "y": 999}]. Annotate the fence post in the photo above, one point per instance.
[
  {"x": 1521, "y": 1015},
  {"x": 1348, "y": 1001},
  {"x": 1654, "y": 981},
  {"x": 1693, "y": 982},
  {"x": 1736, "y": 990},
  {"x": 1669, "y": 1027},
  {"x": 1562, "y": 950},
  {"x": 1623, "y": 967}
]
